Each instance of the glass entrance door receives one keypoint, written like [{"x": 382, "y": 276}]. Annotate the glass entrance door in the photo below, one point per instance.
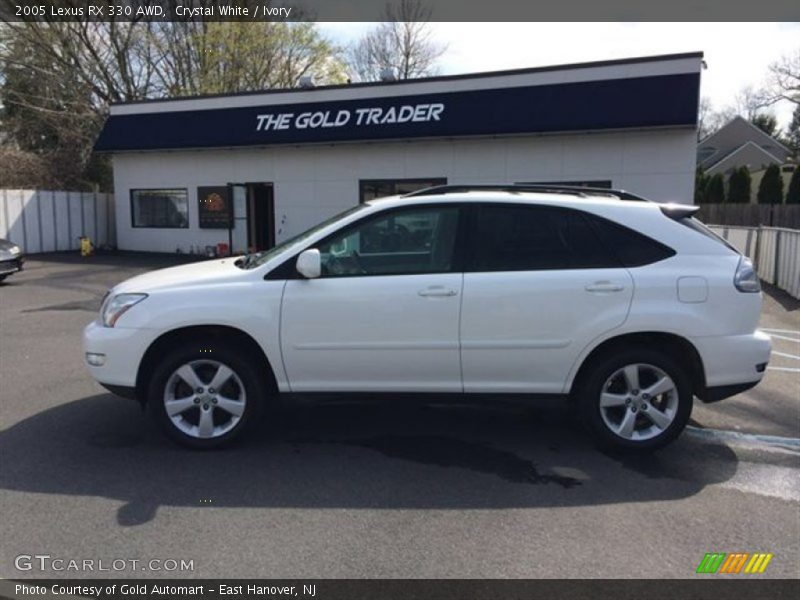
[{"x": 238, "y": 193}]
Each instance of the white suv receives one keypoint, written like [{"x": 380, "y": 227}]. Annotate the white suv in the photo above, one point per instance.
[{"x": 625, "y": 307}]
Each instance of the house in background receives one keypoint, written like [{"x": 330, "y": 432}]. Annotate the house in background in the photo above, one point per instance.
[{"x": 739, "y": 143}]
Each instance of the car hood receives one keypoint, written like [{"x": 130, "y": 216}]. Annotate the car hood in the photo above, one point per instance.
[{"x": 193, "y": 275}]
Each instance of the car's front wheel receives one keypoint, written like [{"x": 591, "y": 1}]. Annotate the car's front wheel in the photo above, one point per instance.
[
  {"x": 638, "y": 399},
  {"x": 205, "y": 397}
]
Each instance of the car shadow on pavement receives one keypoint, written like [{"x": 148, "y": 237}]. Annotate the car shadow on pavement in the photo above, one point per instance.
[
  {"x": 781, "y": 297},
  {"x": 349, "y": 456}
]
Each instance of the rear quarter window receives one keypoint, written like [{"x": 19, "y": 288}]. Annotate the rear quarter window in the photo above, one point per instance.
[
  {"x": 535, "y": 238},
  {"x": 632, "y": 248},
  {"x": 702, "y": 229}
]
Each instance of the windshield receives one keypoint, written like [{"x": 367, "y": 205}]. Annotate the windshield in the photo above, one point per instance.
[{"x": 251, "y": 261}]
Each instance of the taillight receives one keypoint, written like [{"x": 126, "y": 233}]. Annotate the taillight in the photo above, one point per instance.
[{"x": 746, "y": 279}]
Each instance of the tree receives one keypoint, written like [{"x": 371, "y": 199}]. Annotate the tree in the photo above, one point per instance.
[
  {"x": 793, "y": 193},
  {"x": 403, "y": 43},
  {"x": 784, "y": 76},
  {"x": 739, "y": 186},
  {"x": 710, "y": 120},
  {"x": 793, "y": 132},
  {"x": 750, "y": 101},
  {"x": 705, "y": 111},
  {"x": 50, "y": 118},
  {"x": 766, "y": 122},
  {"x": 715, "y": 192},
  {"x": 228, "y": 57},
  {"x": 770, "y": 190},
  {"x": 58, "y": 78},
  {"x": 700, "y": 186}
]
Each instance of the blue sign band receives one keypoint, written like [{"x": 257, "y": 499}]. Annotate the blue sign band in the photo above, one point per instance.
[{"x": 659, "y": 101}]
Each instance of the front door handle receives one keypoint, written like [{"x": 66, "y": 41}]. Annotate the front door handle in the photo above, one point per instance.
[
  {"x": 437, "y": 291},
  {"x": 604, "y": 287}
]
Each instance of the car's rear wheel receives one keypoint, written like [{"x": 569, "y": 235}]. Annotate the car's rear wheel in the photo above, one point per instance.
[
  {"x": 206, "y": 396},
  {"x": 637, "y": 399}
]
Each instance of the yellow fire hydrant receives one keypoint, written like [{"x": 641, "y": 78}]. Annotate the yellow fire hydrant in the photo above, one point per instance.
[{"x": 87, "y": 249}]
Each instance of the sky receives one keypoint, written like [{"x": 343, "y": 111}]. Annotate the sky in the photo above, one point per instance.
[{"x": 737, "y": 54}]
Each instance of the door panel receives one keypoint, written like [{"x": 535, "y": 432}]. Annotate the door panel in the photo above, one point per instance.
[
  {"x": 540, "y": 287},
  {"x": 521, "y": 331},
  {"x": 384, "y": 315},
  {"x": 384, "y": 333}
]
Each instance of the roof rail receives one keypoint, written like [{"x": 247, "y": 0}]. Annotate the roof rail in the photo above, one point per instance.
[{"x": 576, "y": 190}]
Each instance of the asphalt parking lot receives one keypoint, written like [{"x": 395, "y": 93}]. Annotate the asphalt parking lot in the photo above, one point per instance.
[{"x": 358, "y": 491}]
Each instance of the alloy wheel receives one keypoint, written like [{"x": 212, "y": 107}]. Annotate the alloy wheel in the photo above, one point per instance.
[
  {"x": 638, "y": 402},
  {"x": 204, "y": 398}
]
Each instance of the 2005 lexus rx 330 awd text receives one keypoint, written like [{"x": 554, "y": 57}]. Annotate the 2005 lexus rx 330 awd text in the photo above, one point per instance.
[{"x": 627, "y": 309}]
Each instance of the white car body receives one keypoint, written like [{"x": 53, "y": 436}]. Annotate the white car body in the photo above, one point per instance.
[{"x": 519, "y": 332}]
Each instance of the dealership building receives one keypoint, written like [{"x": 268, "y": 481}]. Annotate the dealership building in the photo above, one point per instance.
[{"x": 250, "y": 170}]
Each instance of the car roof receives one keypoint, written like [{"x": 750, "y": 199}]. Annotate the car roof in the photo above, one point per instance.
[
  {"x": 600, "y": 199},
  {"x": 514, "y": 197}
]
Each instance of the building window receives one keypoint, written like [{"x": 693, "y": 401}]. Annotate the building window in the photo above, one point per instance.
[
  {"x": 594, "y": 183},
  {"x": 369, "y": 189},
  {"x": 160, "y": 208}
]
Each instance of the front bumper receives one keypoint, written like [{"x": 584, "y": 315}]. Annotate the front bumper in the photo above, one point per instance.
[
  {"x": 122, "y": 351},
  {"x": 11, "y": 265},
  {"x": 733, "y": 363}
]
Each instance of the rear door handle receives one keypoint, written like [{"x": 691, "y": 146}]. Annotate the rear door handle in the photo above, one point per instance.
[
  {"x": 437, "y": 291},
  {"x": 604, "y": 287}
]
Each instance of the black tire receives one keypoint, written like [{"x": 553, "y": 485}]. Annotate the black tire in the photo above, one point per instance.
[
  {"x": 3, "y": 277},
  {"x": 201, "y": 354},
  {"x": 599, "y": 372}
]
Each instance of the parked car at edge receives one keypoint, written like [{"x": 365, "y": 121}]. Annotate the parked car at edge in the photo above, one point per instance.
[
  {"x": 626, "y": 309},
  {"x": 11, "y": 258}
]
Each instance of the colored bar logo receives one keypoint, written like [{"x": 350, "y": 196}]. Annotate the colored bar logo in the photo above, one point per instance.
[{"x": 734, "y": 563}]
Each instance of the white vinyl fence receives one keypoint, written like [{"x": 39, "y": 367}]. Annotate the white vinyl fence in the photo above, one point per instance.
[
  {"x": 774, "y": 250},
  {"x": 51, "y": 221}
]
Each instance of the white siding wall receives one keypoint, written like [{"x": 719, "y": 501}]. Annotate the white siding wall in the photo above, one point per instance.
[{"x": 314, "y": 182}]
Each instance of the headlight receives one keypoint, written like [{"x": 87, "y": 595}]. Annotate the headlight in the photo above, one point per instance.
[
  {"x": 116, "y": 306},
  {"x": 14, "y": 250}
]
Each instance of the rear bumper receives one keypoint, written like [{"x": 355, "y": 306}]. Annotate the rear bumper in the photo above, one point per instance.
[{"x": 732, "y": 363}]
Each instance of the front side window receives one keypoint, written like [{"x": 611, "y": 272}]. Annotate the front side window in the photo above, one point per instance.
[
  {"x": 404, "y": 242},
  {"x": 533, "y": 238},
  {"x": 160, "y": 208}
]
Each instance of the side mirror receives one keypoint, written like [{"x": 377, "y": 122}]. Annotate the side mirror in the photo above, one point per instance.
[{"x": 309, "y": 263}]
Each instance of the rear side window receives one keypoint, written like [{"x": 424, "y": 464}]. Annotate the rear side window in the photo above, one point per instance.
[
  {"x": 631, "y": 248},
  {"x": 534, "y": 238}
]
